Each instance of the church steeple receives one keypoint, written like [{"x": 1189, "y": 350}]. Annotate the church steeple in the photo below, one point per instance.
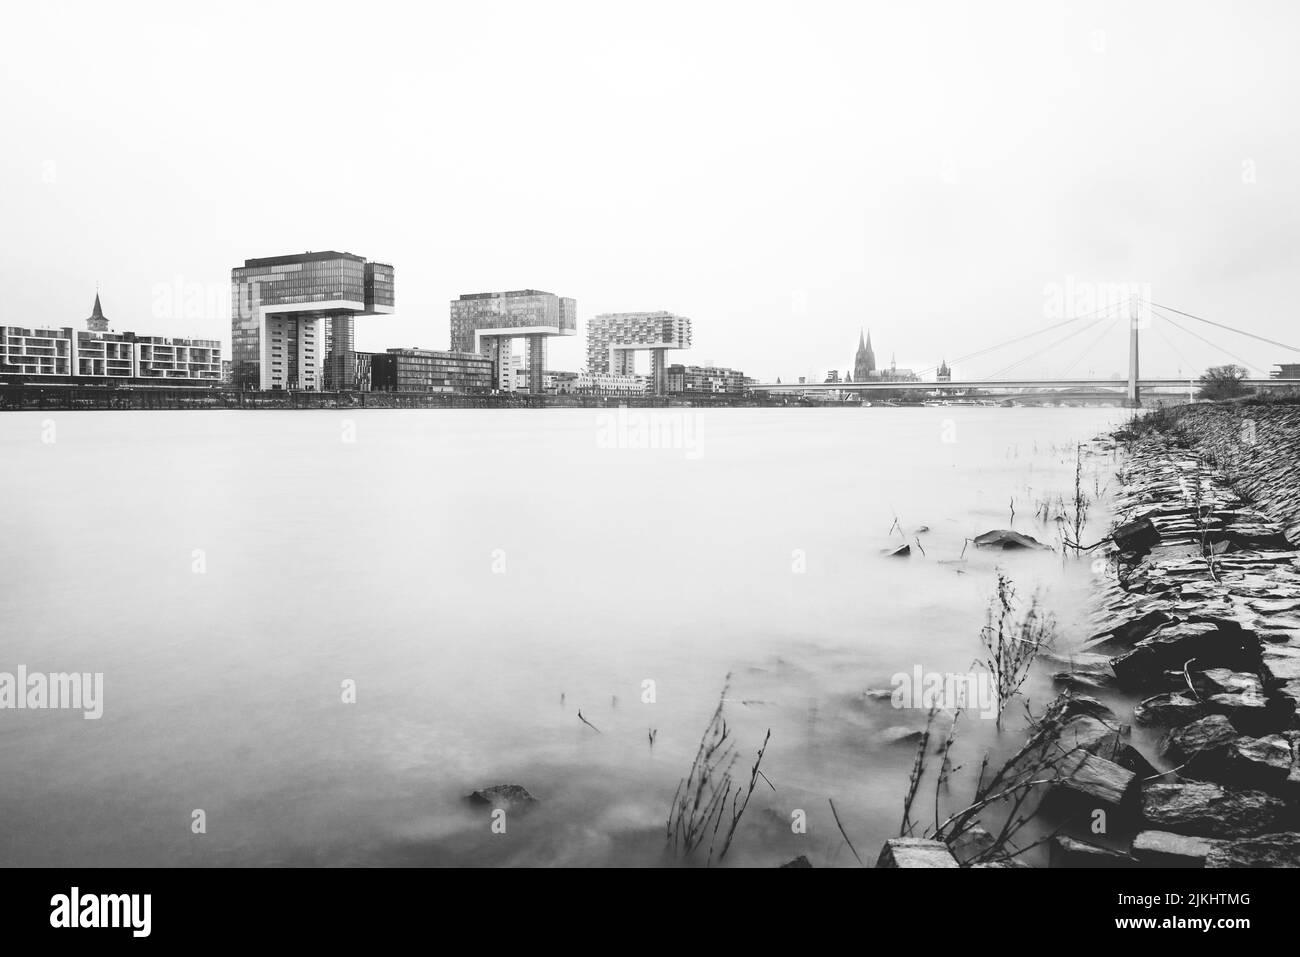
[
  {"x": 864, "y": 363},
  {"x": 97, "y": 321}
]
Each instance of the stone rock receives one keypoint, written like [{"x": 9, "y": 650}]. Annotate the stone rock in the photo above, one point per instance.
[
  {"x": 1006, "y": 540},
  {"x": 510, "y": 797},
  {"x": 1092, "y": 780},
  {"x": 1135, "y": 629},
  {"x": 1082, "y": 704},
  {"x": 1259, "y": 762},
  {"x": 1210, "y": 810},
  {"x": 970, "y": 844},
  {"x": 1135, "y": 536},
  {"x": 1081, "y": 681},
  {"x": 1002, "y": 864},
  {"x": 800, "y": 861},
  {"x": 1268, "y": 850},
  {"x": 902, "y": 551},
  {"x": 1083, "y": 733},
  {"x": 1170, "y": 708},
  {"x": 1082, "y": 661},
  {"x": 1139, "y": 668},
  {"x": 1167, "y": 849},
  {"x": 1113, "y": 747},
  {"x": 1213, "y": 642},
  {"x": 1068, "y": 852},
  {"x": 910, "y": 852},
  {"x": 1209, "y": 734},
  {"x": 900, "y": 735}
]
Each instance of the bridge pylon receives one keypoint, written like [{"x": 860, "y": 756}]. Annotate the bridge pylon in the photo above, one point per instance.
[{"x": 1133, "y": 398}]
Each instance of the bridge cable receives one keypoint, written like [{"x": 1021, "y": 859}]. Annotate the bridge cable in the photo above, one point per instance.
[
  {"x": 1171, "y": 344},
  {"x": 1030, "y": 335},
  {"x": 1047, "y": 348},
  {"x": 1181, "y": 328},
  {"x": 1271, "y": 342},
  {"x": 1095, "y": 342}
]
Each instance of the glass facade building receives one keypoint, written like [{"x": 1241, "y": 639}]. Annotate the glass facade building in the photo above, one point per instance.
[
  {"x": 488, "y": 323},
  {"x": 429, "y": 370},
  {"x": 279, "y": 308}
]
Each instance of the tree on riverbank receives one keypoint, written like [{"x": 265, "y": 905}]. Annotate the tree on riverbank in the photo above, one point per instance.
[{"x": 1223, "y": 382}]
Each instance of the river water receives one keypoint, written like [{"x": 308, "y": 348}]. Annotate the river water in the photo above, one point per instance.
[{"x": 474, "y": 579}]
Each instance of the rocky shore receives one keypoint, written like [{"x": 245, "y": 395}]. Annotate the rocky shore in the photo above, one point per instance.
[{"x": 1193, "y": 757}]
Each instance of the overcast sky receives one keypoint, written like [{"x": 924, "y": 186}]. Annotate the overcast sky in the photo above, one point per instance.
[{"x": 944, "y": 174}]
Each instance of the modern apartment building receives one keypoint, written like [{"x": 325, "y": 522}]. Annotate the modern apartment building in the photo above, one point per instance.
[
  {"x": 429, "y": 370},
  {"x": 279, "y": 308},
  {"x": 708, "y": 379},
  {"x": 613, "y": 339},
  {"x": 70, "y": 357},
  {"x": 489, "y": 322}
]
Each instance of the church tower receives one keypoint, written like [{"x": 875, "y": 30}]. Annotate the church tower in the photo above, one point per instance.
[
  {"x": 97, "y": 321},
  {"x": 864, "y": 363}
]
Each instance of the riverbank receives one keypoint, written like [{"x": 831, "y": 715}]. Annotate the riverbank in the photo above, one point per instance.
[
  {"x": 1202, "y": 625},
  {"x": 1177, "y": 731}
]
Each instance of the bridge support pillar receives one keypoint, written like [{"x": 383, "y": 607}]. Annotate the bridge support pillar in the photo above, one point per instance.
[{"x": 1132, "y": 399}]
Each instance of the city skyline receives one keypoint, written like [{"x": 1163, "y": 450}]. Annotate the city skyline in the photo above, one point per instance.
[{"x": 938, "y": 219}]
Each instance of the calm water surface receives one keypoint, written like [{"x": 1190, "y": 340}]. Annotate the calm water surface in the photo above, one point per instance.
[{"x": 481, "y": 576}]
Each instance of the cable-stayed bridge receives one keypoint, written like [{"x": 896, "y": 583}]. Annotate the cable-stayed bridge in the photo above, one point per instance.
[{"x": 1140, "y": 314}]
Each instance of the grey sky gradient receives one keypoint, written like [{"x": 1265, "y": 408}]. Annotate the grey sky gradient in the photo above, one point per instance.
[{"x": 782, "y": 173}]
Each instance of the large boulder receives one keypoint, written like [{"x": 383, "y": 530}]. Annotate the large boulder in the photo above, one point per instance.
[
  {"x": 1167, "y": 849},
  {"x": 1268, "y": 850},
  {"x": 1210, "y": 810},
  {"x": 911, "y": 852}
]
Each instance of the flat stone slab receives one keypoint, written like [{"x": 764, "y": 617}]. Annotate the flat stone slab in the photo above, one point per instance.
[
  {"x": 909, "y": 852},
  {"x": 1093, "y": 779},
  {"x": 1168, "y": 709},
  {"x": 1167, "y": 849},
  {"x": 1068, "y": 852}
]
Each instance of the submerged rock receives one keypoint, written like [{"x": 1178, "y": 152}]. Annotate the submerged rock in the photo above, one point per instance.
[
  {"x": 511, "y": 797},
  {"x": 902, "y": 551},
  {"x": 1006, "y": 539},
  {"x": 800, "y": 861},
  {"x": 900, "y": 735}
]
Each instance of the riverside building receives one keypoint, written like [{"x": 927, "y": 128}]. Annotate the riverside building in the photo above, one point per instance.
[
  {"x": 488, "y": 323},
  {"x": 280, "y": 307},
  {"x": 614, "y": 338},
  {"x": 96, "y": 356}
]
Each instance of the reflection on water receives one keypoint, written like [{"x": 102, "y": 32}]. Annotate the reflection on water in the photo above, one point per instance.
[{"x": 480, "y": 576}]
